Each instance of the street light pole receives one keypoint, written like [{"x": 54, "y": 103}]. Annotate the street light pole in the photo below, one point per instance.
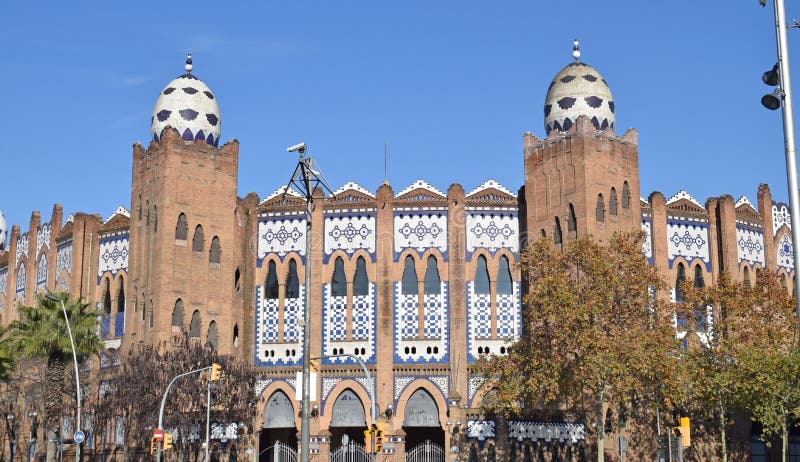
[
  {"x": 77, "y": 374},
  {"x": 788, "y": 137}
]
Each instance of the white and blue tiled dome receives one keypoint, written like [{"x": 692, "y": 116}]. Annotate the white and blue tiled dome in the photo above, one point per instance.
[
  {"x": 3, "y": 231},
  {"x": 575, "y": 91},
  {"x": 187, "y": 105}
]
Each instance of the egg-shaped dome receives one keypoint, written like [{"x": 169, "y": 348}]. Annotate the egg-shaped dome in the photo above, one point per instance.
[
  {"x": 3, "y": 231},
  {"x": 187, "y": 105},
  {"x": 575, "y": 91}
]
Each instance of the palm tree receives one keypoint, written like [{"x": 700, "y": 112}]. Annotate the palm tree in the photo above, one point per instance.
[
  {"x": 41, "y": 333},
  {"x": 7, "y": 363}
]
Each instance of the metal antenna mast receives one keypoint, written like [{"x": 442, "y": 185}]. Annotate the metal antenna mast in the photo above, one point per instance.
[{"x": 306, "y": 178}]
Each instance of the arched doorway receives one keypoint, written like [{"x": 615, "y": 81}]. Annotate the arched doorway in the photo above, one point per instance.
[
  {"x": 278, "y": 436},
  {"x": 421, "y": 423},
  {"x": 349, "y": 419}
]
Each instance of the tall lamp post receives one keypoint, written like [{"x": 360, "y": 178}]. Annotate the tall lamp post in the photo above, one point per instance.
[
  {"x": 307, "y": 179},
  {"x": 34, "y": 424},
  {"x": 77, "y": 374},
  {"x": 12, "y": 437}
]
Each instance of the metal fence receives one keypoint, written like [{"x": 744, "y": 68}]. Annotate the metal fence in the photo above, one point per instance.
[{"x": 426, "y": 452}]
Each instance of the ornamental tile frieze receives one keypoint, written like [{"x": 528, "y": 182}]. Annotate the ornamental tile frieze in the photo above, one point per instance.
[
  {"x": 281, "y": 235},
  {"x": 420, "y": 231},
  {"x": 349, "y": 232},
  {"x": 750, "y": 244},
  {"x": 688, "y": 240},
  {"x": 492, "y": 230}
]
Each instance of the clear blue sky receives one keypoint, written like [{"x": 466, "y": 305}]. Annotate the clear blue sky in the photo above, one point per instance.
[{"x": 451, "y": 86}]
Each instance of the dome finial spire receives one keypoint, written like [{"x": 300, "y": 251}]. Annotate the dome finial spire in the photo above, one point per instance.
[
  {"x": 188, "y": 66},
  {"x": 576, "y": 50}
]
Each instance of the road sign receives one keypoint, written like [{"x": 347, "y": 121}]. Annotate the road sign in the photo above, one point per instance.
[
  {"x": 79, "y": 437},
  {"x": 158, "y": 434}
]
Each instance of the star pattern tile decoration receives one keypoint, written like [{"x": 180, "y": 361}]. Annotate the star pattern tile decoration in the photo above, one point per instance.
[
  {"x": 750, "y": 244},
  {"x": 688, "y": 239},
  {"x": 113, "y": 254}
]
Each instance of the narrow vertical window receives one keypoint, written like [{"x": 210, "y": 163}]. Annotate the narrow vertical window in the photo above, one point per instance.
[
  {"x": 150, "y": 313},
  {"x": 121, "y": 296},
  {"x": 600, "y": 211},
  {"x": 147, "y": 213},
  {"x": 271, "y": 282},
  {"x": 197, "y": 240},
  {"x": 106, "y": 297},
  {"x": 292, "y": 281},
  {"x": 155, "y": 218},
  {"x": 181, "y": 228},
  {"x": 211, "y": 340},
  {"x": 338, "y": 281},
  {"x": 214, "y": 251},
  {"x": 612, "y": 202},
  {"x": 194, "y": 326},
  {"x": 360, "y": 278},
  {"x": 481, "y": 276},
  {"x": 626, "y": 196},
  {"x": 139, "y": 209},
  {"x": 746, "y": 277},
  {"x": 410, "y": 281},
  {"x": 679, "y": 278},
  {"x": 177, "y": 313},
  {"x": 504, "y": 284},
  {"x": 237, "y": 276},
  {"x": 433, "y": 285},
  {"x": 572, "y": 222},
  {"x": 699, "y": 282},
  {"x": 557, "y": 231}
]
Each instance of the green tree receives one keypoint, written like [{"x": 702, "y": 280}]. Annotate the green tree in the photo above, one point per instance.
[
  {"x": 7, "y": 362},
  {"x": 41, "y": 333},
  {"x": 594, "y": 334}
]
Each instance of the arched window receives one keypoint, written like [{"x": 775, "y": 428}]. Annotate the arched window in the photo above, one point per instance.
[
  {"x": 557, "y": 231},
  {"x": 612, "y": 202},
  {"x": 572, "y": 222},
  {"x": 600, "y": 211},
  {"x": 626, "y": 196},
  {"x": 481, "y": 276},
  {"x": 106, "y": 297},
  {"x": 177, "y": 313},
  {"x": 681, "y": 276},
  {"x": 155, "y": 218},
  {"x": 194, "y": 326},
  {"x": 150, "y": 313},
  {"x": 360, "y": 278},
  {"x": 746, "y": 277},
  {"x": 144, "y": 307},
  {"x": 120, "y": 296},
  {"x": 292, "y": 281},
  {"x": 214, "y": 251},
  {"x": 147, "y": 213},
  {"x": 211, "y": 340},
  {"x": 699, "y": 282},
  {"x": 504, "y": 284},
  {"x": 271, "y": 282},
  {"x": 139, "y": 208},
  {"x": 181, "y": 228},
  {"x": 338, "y": 281},
  {"x": 783, "y": 281},
  {"x": 543, "y": 233},
  {"x": 433, "y": 285},
  {"x": 236, "y": 335},
  {"x": 410, "y": 281},
  {"x": 237, "y": 276},
  {"x": 197, "y": 240}
]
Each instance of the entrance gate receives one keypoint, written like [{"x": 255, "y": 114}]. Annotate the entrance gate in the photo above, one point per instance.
[
  {"x": 426, "y": 452},
  {"x": 352, "y": 452},
  {"x": 281, "y": 452}
]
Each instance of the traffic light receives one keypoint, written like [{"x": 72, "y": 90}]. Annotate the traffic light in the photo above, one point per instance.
[
  {"x": 368, "y": 441},
  {"x": 167, "y": 441},
  {"x": 216, "y": 371},
  {"x": 684, "y": 428},
  {"x": 379, "y": 437},
  {"x": 153, "y": 445}
]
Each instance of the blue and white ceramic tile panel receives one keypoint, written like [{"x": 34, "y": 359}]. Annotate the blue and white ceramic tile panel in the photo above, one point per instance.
[
  {"x": 432, "y": 345},
  {"x": 349, "y": 230},
  {"x": 22, "y": 248},
  {"x": 43, "y": 237},
  {"x": 3, "y": 289},
  {"x": 564, "y": 432},
  {"x": 334, "y": 327},
  {"x": 20, "y": 283},
  {"x": 750, "y": 242},
  {"x": 647, "y": 245},
  {"x": 688, "y": 238},
  {"x": 785, "y": 253},
  {"x": 480, "y": 338},
  {"x": 480, "y": 430},
  {"x": 474, "y": 384},
  {"x": 41, "y": 274},
  {"x": 492, "y": 230},
  {"x": 420, "y": 229},
  {"x": 113, "y": 255},
  {"x": 401, "y": 382},
  {"x": 269, "y": 350},
  {"x": 328, "y": 384},
  {"x": 780, "y": 217},
  {"x": 262, "y": 384},
  {"x": 281, "y": 234},
  {"x": 63, "y": 265}
]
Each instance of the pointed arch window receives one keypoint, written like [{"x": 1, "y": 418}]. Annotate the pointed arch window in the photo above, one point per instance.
[
  {"x": 600, "y": 210},
  {"x": 211, "y": 340},
  {"x": 197, "y": 240},
  {"x": 746, "y": 277},
  {"x": 360, "y": 278},
  {"x": 338, "y": 281},
  {"x": 433, "y": 285},
  {"x": 292, "y": 281},
  {"x": 699, "y": 281},
  {"x": 194, "y": 326},
  {"x": 504, "y": 283},
  {"x": 481, "y": 276},
  {"x": 612, "y": 202},
  {"x": 557, "y": 232},
  {"x": 237, "y": 276},
  {"x": 572, "y": 222},
  {"x": 121, "y": 296},
  {"x": 271, "y": 282},
  {"x": 150, "y": 313},
  {"x": 215, "y": 251},
  {"x": 410, "y": 281},
  {"x": 106, "y": 297},
  {"x": 177, "y": 313},
  {"x": 626, "y": 196},
  {"x": 181, "y": 228},
  {"x": 679, "y": 278}
]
